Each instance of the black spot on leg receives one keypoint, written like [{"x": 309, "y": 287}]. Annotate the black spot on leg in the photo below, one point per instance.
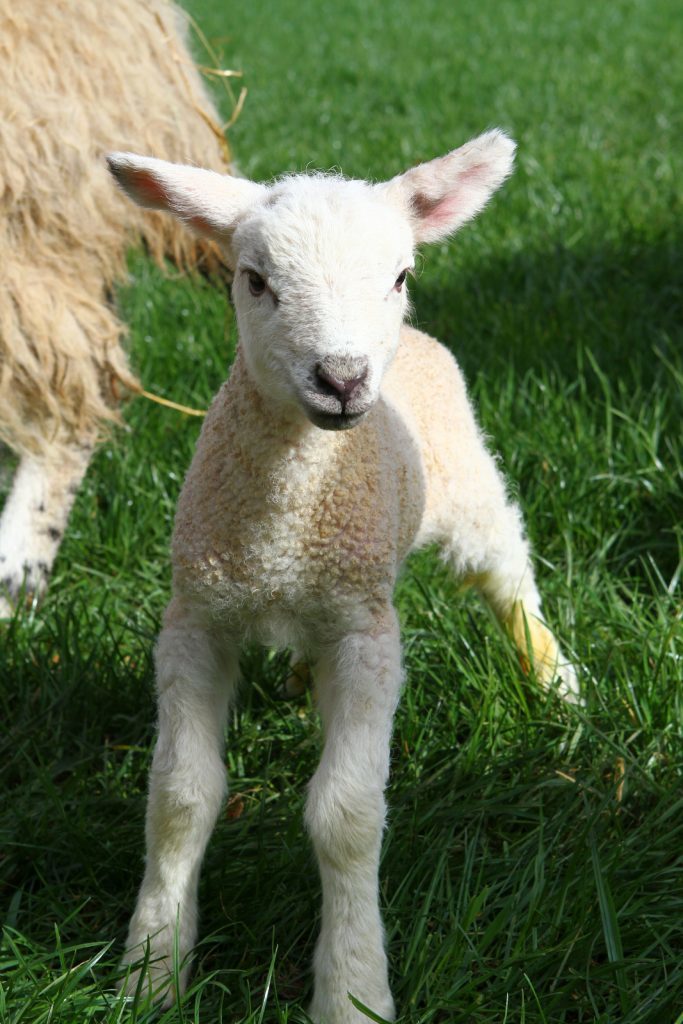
[
  {"x": 53, "y": 533},
  {"x": 43, "y": 568},
  {"x": 41, "y": 507}
]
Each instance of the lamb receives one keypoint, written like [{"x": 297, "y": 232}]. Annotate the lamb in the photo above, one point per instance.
[
  {"x": 343, "y": 440},
  {"x": 74, "y": 84}
]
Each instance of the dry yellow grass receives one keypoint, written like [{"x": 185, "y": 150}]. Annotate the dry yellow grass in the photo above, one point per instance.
[{"x": 72, "y": 86}]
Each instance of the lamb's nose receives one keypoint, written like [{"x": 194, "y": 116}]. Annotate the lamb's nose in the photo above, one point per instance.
[{"x": 342, "y": 378}]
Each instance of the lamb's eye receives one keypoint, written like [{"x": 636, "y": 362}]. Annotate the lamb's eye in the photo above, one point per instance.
[
  {"x": 400, "y": 280},
  {"x": 257, "y": 285}
]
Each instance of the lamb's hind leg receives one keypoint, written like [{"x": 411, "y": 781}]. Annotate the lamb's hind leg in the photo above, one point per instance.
[
  {"x": 487, "y": 545},
  {"x": 34, "y": 519},
  {"x": 195, "y": 680}
]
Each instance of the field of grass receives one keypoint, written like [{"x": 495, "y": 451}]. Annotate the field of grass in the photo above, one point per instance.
[{"x": 532, "y": 868}]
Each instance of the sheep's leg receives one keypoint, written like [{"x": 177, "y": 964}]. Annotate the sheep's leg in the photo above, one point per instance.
[
  {"x": 299, "y": 678},
  {"x": 195, "y": 681},
  {"x": 358, "y": 683},
  {"x": 34, "y": 519},
  {"x": 488, "y": 547}
]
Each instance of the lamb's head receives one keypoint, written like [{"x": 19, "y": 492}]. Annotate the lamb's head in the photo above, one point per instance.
[{"x": 321, "y": 263}]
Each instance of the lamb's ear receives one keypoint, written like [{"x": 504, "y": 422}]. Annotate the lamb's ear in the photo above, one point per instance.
[
  {"x": 441, "y": 195},
  {"x": 206, "y": 201}
]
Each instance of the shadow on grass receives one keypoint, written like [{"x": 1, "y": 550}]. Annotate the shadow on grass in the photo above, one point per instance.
[
  {"x": 589, "y": 337},
  {"x": 541, "y": 308}
]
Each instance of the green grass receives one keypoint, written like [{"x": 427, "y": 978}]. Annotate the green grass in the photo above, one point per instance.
[{"x": 519, "y": 883}]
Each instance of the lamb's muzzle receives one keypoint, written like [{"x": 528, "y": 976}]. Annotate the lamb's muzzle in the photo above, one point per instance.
[
  {"x": 343, "y": 377},
  {"x": 293, "y": 535},
  {"x": 337, "y": 397}
]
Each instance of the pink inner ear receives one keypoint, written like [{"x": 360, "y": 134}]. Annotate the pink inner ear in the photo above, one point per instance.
[
  {"x": 455, "y": 204},
  {"x": 435, "y": 212},
  {"x": 478, "y": 173},
  {"x": 149, "y": 189}
]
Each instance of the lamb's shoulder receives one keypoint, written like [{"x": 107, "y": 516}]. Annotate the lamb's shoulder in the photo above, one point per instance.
[
  {"x": 424, "y": 378},
  {"x": 427, "y": 388}
]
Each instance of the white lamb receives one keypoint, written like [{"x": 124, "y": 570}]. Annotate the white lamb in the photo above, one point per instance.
[{"x": 291, "y": 527}]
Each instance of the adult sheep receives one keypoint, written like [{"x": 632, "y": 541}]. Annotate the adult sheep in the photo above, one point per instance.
[{"x": 73, "y": 84}]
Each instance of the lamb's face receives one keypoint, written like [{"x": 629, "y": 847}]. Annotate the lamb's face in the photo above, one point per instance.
[
  {"x": 320, "y": 262},
  {"x": 320, "y": 294}
]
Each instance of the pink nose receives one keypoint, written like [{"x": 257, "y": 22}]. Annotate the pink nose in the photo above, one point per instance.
[{"x": 334, "y": 379}]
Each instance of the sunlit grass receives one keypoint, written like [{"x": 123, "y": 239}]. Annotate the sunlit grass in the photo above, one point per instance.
[{"x": 532, "y": 867}]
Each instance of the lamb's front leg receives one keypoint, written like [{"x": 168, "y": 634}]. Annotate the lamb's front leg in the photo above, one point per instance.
[
  {"x": 195, "y": 680},
  {"x": 358, "y": 682}
]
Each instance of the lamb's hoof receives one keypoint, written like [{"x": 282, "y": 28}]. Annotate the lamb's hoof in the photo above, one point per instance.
[
  {"x": 540, "y": 652},
  {"x": 344, "y": 1012},
  {"x": 150, "y": 985},
  {"x": 556, "y": 674},
  {"x": 152, "y": 978},
  {"x": 567, "y": 684}
]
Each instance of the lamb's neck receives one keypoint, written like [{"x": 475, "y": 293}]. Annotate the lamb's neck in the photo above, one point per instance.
[{"x": 278, "y": 444}]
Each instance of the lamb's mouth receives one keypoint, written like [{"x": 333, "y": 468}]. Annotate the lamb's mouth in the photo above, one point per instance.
[
  {"x": 334, "y": 420},
  {"x": 332, "y": 412}
]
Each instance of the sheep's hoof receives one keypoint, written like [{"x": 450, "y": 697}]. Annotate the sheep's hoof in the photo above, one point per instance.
[
  {"x": 22, "y": 589},
  {"x": 298, "y": 680}
]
